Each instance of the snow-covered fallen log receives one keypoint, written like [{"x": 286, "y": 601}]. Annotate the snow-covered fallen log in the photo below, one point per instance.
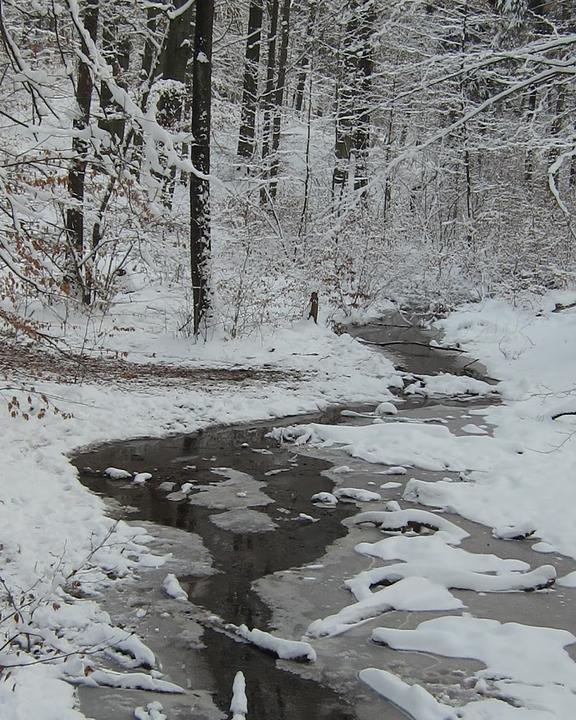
[
  {"x": 453, "y": 578},
  {"x": 521, "y": 531},
  {"x": 126, "y": 681},
  {"x": 412, "y": 519},
  {"x": 283, "y": 649},
  {"x": 358, "y": 494}
]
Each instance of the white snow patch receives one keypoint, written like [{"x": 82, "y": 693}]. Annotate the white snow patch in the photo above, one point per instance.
[
  {"x": 117, "y": 473},
  {"x": 284, "y": 649},
  {"x": 413, "y": 593},
  {"x": 173, "y": 588},
  {"x": 239, "y": 702}
]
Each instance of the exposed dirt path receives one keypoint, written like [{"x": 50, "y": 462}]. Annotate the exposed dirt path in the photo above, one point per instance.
[{"x": 17, "y": 360}]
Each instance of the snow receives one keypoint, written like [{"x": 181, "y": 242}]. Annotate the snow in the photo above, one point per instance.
[
  {"x": 394, "y": 470},
  {"x": 545, "y": 683},
  {"x": 324, "y": 498},
  {"x": 126, "y": 681},
  {"x": 430, "y": 447},
  {"x": 409, "y": 594},
  {"x": 358, "y": 494},
  {"x": 239, "y": 702},
  {"x": 413, "y": 699},
  {"x": 117, "y": 473},
  {"x": 397, "y": 520},
  {"x": 282, "y": 648},
  {"x": 152, "y": 711},
  {"x": 140, "y": 478},
  {"x": 173, "y": 588},
  {"x": 386, "y": 408}
]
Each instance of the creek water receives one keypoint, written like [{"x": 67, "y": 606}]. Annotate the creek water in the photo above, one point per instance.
[{"x": 259, "y": 559}]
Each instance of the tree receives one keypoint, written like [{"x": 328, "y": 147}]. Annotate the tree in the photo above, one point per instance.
[
  {"x": 246, "y": 139},
  {"x": 77, "y": 173},
  {"x": 200, "y": 242}
]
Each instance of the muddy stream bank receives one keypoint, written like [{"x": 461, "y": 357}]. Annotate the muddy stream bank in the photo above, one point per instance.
[{"x": 248, "y": 546}]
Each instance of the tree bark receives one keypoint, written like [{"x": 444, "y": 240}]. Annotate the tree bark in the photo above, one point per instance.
[
  {"x": 77, "y": 173},
  {"x": 246, "y": 140},
  {"x": 268, "y": 97},
  {"x": 200, "y": 244},
  {"x": 279, "y": 96}
]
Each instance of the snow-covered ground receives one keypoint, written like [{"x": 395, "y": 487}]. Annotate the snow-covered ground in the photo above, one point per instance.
[{"x": 59, "y": 550}]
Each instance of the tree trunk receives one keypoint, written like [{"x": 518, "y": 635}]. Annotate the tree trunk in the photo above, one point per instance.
[
  {"x": 269, "y": 91},
  {"x": 200, "y": 245},
  {"x": 116, "y": 50},
  {"x": 77, "y": 173},
  {"x": 279, "y": 97},
  {"x": 246, "y": 140}
]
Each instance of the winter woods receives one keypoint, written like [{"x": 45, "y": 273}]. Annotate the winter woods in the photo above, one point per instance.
[{"x": 251, "y": 152}]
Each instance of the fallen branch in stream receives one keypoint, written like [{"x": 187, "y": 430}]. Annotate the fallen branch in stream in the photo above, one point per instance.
[{"x": 411, "y": 342}]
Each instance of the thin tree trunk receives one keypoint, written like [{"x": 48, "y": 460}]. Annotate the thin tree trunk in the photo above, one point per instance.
[
  {"x": 246, "y": 140},
  {"x": 77, "y": 173},
  {"x": 200, "y": 244},
  {"x": 268, "y": 97},
  {"x": 279, "y": 97}
]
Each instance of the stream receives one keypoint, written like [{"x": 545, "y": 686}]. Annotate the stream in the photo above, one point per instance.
[{"x": 272, "y": 567}]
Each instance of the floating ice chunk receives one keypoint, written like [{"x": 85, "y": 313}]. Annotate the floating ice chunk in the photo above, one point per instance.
[
  {"x": 152, "y": 711},
  {"x": 474, "y": 429},
  {"x": 521, "y": 653},
  {"x": 394, "y": 470},
  {"x": 284, "y": 649},
  {"x": 357, "y": 494},
  {"x": 167, "y": 486},
  {"x": 243, "y": 520},
  {"x": 239, "y": 702},
  {"x": 415, "y": 593},
  {"x": 414, "y": 700},
  {"x": 117, "y": 473},
  {"x": 568, "y": 580},
  {"x": 186, "y": 487},
  {"x": 140, "y": 478},
  {"x": 277, "y": 471},
  {"x": 392, "y": 506},
  {"x": 324, "y": 498},
  {"x": 390, "y": 485},
  {"x": 386, "y": 408},
  {"x": 173, "y": 588},
  {"x": 514, "y": 532},
  {"x": 341, "y": 469},
  {"x": 306, "y": 518}
]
